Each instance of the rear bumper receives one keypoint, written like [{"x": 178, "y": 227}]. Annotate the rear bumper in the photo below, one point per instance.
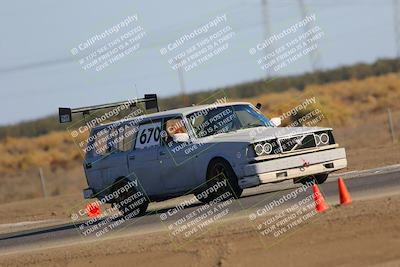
[{"x": 293, "y": 167}]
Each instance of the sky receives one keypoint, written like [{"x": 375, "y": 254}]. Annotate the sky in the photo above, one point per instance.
[{"x": 44, "y": 63}]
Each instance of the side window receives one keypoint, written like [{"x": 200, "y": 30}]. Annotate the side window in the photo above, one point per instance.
[
  {"x": 130, "y": 131},
  {"x": 173, "y": 126},
  {"x": 123, "y": 137},
  {"x": 149, "y": 135},
  {"x": 100, "y": 140},
  {"x": 115, "y": 141}
]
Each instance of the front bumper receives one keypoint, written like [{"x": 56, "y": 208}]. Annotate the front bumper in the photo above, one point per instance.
[{"x": 280, "y": 169}]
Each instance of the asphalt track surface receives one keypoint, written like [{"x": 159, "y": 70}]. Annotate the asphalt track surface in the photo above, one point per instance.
[{"x": 362, "y": 185}]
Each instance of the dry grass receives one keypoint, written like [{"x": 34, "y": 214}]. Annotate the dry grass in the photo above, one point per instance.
[
  {"x": 342, "y": 103},
  {"x": 55, "y": 150},
  {"x": 357, "y": 110},
  {"x": 21, "y": 159}
]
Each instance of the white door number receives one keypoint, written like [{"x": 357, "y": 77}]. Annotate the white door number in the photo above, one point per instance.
[{"x": 148, "y": 135}]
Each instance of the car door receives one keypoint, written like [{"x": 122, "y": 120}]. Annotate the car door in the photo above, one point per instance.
[
  {"x": 177, "y": 167},
  {"x": 143, "y": 159}
]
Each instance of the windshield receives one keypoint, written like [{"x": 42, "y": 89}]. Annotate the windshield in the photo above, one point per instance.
[{"x": 225, "y": 119}]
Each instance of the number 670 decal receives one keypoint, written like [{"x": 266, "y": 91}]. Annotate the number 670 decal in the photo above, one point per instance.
[{"x": 148, "y": 135}]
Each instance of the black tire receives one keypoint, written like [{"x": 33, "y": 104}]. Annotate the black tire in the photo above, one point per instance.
[
  {"x": 218, "y": 170},
  {"x": 318, "y": 178},
  {"x": 126, "y": 207}
]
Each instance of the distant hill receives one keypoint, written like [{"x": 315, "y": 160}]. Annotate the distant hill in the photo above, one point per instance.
[
  {"x": 244, "y": 90},
  {"x": 32, "y": 128},
  {"x": 299, "y": 82}
]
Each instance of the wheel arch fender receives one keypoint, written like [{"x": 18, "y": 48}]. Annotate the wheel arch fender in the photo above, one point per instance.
[{"x": 229, "y": 159}]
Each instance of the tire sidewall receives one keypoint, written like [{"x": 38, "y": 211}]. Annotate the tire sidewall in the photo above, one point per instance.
[{"x": 231, "y": 178}]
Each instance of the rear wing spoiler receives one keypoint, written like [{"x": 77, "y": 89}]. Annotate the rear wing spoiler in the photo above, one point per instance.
[{"x": 150, "y": 100}]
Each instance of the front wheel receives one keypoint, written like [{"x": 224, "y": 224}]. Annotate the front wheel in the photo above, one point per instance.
[{"x": 220, "y": 176}]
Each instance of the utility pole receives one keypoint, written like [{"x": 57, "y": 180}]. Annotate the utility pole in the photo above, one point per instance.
[
  {"x": 396, "y": 10},
  {"x": 267, "y": 29},
  {"x": 315, "y": 57},
  {"x": 182, "y": 85}
]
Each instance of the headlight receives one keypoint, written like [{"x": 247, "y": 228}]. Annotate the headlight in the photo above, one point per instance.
[
  {"x": 265, "y": 148},
  {"x": 323, "y": 138},
  {"x": 259, "y": 149}
]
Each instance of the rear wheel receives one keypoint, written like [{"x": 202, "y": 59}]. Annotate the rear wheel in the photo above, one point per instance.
[
  {"x": 130, "y": 202},
  {"x": 218, "y": 172},
  {"x": 318, "y": 178}
]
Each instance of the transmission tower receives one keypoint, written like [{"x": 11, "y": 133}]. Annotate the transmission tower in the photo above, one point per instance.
[
  {"x": 315, "y": 56},
  {"x": 267, "y": 29},
  {"x": 396, "y": 10}
]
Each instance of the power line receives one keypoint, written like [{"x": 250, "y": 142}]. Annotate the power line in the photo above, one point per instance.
[
  {"x": 314, "y": 56},
  {"x": 182, "y": 84},
  {"x": 58, "y": 61}
]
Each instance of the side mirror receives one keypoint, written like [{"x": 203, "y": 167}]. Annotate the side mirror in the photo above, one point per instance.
[
  {"x": 258, "y": 106},
  {"x": 276, "y": 121},
  {"x": 181, "y": 138}
]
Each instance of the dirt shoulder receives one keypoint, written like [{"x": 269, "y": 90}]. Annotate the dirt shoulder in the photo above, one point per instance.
[
  {"x": 364, "y": 233},
  {"x": 52, "y": 208}
]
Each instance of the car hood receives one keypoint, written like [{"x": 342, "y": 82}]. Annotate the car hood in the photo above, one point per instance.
[{"x": 263, "y": 133}]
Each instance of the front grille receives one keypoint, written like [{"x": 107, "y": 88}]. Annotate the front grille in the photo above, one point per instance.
[{"x": 293, "y": 143}]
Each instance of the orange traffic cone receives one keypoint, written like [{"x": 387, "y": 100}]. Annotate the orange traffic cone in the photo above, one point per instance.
[
  {"x": 320, "y": 204},
  {"x": 343, "y": 192}
]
